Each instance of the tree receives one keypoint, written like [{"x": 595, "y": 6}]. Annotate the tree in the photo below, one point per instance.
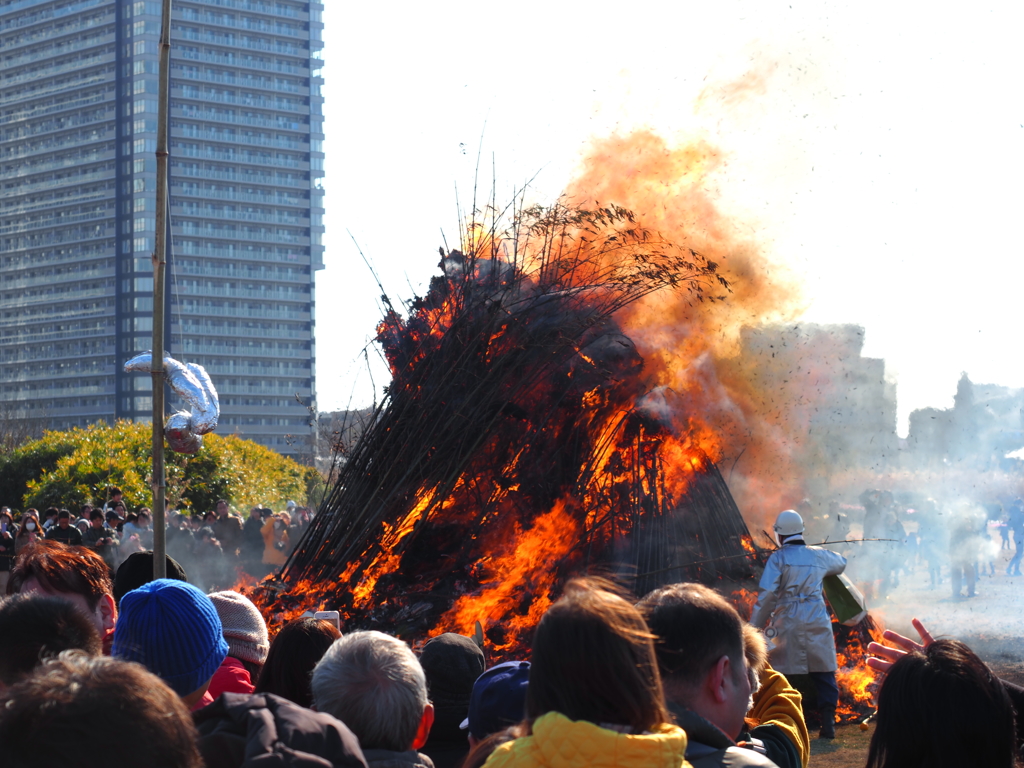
[{"x": 79, "y": 465}]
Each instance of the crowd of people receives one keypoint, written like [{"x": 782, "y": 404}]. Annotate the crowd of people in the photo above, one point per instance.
[
  {"x": 212, "y": 545},
  {"x": 100, "y": 670},
  {"x": 953, "y": 543}
]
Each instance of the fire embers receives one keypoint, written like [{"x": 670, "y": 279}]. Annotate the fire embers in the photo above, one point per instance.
[
  {"x": 509, "y": 452},
  {"x": 184, "y": 431}
]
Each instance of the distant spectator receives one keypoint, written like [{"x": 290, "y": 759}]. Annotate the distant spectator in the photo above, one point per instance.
[
  {"x": 209, "y": 557},
  {"x": 172, "y": 629},
  {"x": 294, "y": 652},
  {"x": 374, "y": 684},
  {"x": 114, "y": 522},
  {"x": 248, "y": 644},
  {"x": 95, "y": 712},
  {"x": 130, "y": 539},
  {"x": 50, "y": 518},
  {"x": 498, "y": 701},
  {"x": 297, "y": 527},
  {"x": 36, "y": 627},
  {"x": 180, "y": 541},
  {"x": 29, "y": 533},
  {"x": 101, "y": 538},
  {"x": 8, "y": 531},
  {"x": 75, "y": 573},
  {"x": 275, "y": 538},
  {"x": 228, "y": 528},
  {"x": 252, "y": 540},
  {"x": 594, "y": 692},
  {"x": 137, "y": 570},
  {"x": 145, "y": 526},
  {"x": 63, "y": 531},
  {"x": 114, "y": 498},
  {"x": 452, "y": 663}
]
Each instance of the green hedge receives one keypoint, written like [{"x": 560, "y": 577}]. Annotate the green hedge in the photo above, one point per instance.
[{"x": 75, "y": 467}]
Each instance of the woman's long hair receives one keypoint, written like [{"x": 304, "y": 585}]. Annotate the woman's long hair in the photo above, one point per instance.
[
  {"x": 593, "y": 659},
  {"x": 295, "y": 651},
  {"x": 943, "y": 708}
]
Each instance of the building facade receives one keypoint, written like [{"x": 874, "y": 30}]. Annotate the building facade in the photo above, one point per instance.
[{"x": 78, "y": 131}]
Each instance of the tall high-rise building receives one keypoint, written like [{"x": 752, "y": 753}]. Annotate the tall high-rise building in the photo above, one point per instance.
[{"x": 78, "y": 131}]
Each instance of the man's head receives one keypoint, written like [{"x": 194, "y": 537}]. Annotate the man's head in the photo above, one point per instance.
[
  {"x": 114, "y": 494},
  {"x": 137, "y": 569},
  {"x": 63, "y": 518},
  {"x": 374, "y": 684},
  {"x": 223, "y": 508},
  {"x": 51, "y": 513},
  {"x": 255, "y": 512},
  {"x": 172, "y": 629},
  {"x": 700, "y": 651},
  {"x": 36, "y": 627},
  {"x": 43, "y": 717},
  {"x": 452, "y": 663},
  {"x": 74, "y": 573},
  {"x": 96, "y": 518}
]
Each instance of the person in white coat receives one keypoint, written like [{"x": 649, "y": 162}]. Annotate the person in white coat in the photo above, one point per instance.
[{"x": 792, "y": 599}]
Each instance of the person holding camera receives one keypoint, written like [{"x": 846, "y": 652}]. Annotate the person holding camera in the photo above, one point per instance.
[{"x": 101, "y": 538}]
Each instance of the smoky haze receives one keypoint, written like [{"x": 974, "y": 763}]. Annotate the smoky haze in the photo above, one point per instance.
[{"x": 945, "y": 495}]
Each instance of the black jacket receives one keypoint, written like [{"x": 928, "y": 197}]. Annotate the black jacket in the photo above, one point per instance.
[
  {"x": 265, "y": 731},
  {"x": 708, "y": 747},
  {"x": 69, "y": 535}
]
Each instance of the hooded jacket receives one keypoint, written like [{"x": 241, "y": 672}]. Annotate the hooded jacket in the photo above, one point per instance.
[
  {"x": 781, "y": 726},
  {"x": 792, "y": 597},
  {"x": 558, "y": 742},
  {"x": 266, "y": 731}
]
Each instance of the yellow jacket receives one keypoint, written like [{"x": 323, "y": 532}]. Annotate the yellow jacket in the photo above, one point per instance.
[
  {"x": 271, "y": 554},
  {"x": 778, "y": 703},
  {"x": 558, "y": 742}
]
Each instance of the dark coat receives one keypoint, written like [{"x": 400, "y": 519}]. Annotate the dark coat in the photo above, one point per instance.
[
  {"x": 708, "y": 747},
  {"x": 265, "y": 731}
]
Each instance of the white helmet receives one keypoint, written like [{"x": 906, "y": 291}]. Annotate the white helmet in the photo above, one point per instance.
[{"x": 788, "y": 523}]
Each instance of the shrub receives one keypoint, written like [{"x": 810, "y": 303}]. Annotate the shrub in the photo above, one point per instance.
[{"x": 74, "y": 467}]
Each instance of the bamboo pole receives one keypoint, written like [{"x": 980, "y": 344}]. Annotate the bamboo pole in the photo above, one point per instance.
[{"x": 159, "y": 292}]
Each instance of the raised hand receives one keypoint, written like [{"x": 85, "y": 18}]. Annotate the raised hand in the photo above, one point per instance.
[{"x": 885, "y": 656}]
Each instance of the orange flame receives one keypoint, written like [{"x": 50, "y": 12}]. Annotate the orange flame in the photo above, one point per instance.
[{"x": 526, "y": 566}]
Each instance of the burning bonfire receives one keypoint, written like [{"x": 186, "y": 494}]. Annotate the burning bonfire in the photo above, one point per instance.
[
  {"x": 519, "y": 443},
  {"x": 524, "y": 437}
]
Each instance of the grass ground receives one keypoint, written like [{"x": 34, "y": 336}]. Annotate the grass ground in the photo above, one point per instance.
[{"x": 849, "y": 749}]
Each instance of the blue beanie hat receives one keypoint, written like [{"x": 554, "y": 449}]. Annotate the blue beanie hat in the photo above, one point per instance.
[{"x": 173, "y": 630}]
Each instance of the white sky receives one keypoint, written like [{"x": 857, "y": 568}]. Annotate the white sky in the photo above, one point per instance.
[{"x": 883, "y": 160}]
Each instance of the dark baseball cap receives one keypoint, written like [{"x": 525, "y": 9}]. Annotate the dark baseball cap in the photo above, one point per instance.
[{"x": 498, "y": 700}]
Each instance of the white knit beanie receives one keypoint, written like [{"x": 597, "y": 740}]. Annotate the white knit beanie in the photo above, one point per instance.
[{"x": 244, "y": 627}]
